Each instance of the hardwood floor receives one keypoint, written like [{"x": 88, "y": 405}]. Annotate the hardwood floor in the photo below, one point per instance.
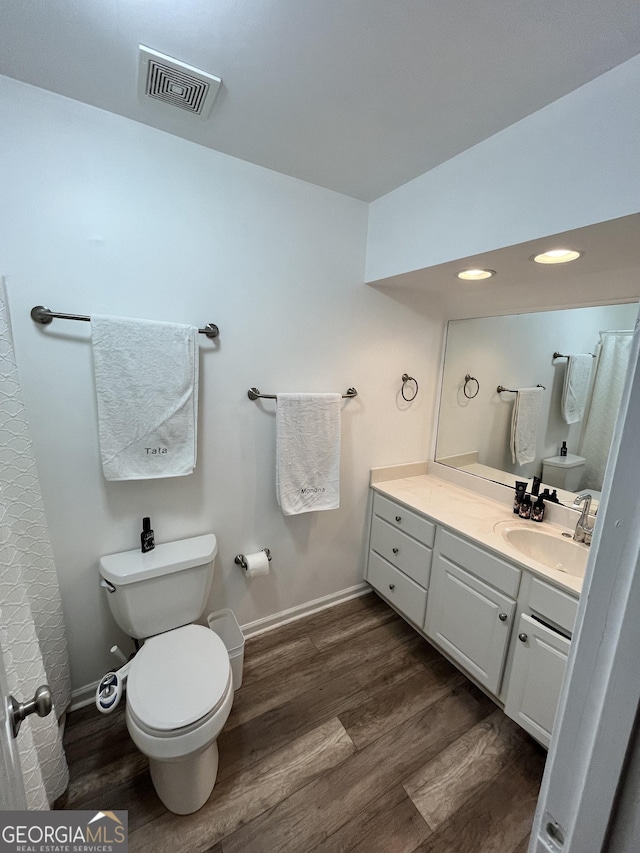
[{"x": 349, "y": 733}]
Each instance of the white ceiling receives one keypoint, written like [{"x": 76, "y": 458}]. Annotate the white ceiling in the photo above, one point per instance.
[{"x": 359, "y": 96}]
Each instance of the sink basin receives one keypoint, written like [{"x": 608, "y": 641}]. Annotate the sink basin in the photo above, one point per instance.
[{"x": 546, "y": 545}]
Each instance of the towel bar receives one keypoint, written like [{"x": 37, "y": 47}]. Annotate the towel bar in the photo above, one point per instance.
[
  {"x": 254, "y": 394},
  {"x": 501, "y": 388},
  {"x": 44, "y": 316},
  {"x": 559, "y": 355}
]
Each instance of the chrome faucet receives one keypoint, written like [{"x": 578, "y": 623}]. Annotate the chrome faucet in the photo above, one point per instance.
[{"x": 583, "y": 531}]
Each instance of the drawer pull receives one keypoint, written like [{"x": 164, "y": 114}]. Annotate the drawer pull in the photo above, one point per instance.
[
  {"x": 398, "y": 518},
  {"x": 502, "y": 617},
  {"x": 395, "y": 550},
  {"x": 392, "y": 586},
  {"x": 522, "y": 637}
]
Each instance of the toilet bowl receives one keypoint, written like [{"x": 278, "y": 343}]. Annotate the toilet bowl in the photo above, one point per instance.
[{"x": 179, "y": 695}]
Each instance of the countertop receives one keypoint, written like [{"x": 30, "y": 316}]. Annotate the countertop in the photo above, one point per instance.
[{"x": 473, "y": 516}]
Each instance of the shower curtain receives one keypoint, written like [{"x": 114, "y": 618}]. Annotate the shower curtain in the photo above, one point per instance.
[
  {"x": 605, "y": 402},
  {"x": 32, "y": 636}
]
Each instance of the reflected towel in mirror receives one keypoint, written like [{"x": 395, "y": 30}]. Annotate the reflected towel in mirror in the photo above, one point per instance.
[{"x": 524, "y": 424}]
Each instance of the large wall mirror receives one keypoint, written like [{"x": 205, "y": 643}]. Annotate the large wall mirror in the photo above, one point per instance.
[{"x": 523, "y": 351}]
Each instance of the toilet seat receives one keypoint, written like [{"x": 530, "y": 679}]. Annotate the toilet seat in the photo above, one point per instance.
[{"x": 178, "y": 680}]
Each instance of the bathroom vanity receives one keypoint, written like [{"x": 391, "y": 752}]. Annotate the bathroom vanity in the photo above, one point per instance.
[{"x": 441, "y": 557}]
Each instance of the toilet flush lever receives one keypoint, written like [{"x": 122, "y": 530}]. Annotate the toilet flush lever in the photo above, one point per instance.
[{"x": 41, "y": 705}]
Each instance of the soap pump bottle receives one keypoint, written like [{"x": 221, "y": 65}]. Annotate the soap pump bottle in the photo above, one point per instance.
[
  {"x": 525, "y": 507},
  {"x": 537, "y": 510},
  {"x": 563, "y": 449},
  {"x": 147, "y": 540}
]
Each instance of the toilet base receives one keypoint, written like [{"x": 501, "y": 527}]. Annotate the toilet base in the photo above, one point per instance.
[{"x": 184, "y": 786}]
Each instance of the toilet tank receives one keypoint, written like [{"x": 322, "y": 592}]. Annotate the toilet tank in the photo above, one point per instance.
[
  {"x": 563, "y": 472},
  {"x": 161, "y": 589}
]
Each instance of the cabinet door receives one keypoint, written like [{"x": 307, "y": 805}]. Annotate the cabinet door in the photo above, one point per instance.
[
  {"x": 536, "y": 677},
  {"x": 470, "y": 621}
]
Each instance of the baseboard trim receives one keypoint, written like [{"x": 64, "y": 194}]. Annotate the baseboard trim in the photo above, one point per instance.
[
  {"x": 84, "y": 696},
  {"x": 269, "y": 623}
]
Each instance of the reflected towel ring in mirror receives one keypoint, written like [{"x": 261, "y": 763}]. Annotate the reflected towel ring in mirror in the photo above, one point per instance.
[
  {"x": 467, "y": 391},
  {"x": 406, "y": 378}
]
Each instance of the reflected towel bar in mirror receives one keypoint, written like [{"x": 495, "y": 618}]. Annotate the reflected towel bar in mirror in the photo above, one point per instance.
[
  {"x": 501, "y": 388},
  {"x": 254, "y": 394},
  {"x": 44, "y": 316},
  {"x": 559, "y": 355}
]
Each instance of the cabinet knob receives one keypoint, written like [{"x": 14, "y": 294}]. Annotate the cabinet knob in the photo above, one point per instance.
[
  {"x": 522, "y": 637},
  {"x": 395, "y": 550},
  {"x": 502, "y": 617},
  {"x": 398, "y": 518},
  {"x": 392, "y": 586}
]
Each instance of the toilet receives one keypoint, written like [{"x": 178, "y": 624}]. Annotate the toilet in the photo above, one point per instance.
[
  {"x": 179, "y": 687},
  {"x": 563, "y": 472}
]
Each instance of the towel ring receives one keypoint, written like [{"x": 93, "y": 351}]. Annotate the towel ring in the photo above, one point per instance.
[
  {"x": 406, "y": 378},
  {"x": 467, "y": 379}
]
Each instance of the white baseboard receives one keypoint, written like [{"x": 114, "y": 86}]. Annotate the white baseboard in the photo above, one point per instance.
[
  {"x": 86, "y": 695},
  {"x": 83, "y": 696},
  {"x": 269, "y": 623}
]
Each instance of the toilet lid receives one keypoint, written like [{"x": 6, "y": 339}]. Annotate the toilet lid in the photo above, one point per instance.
[{"x": 178, "y": 677}]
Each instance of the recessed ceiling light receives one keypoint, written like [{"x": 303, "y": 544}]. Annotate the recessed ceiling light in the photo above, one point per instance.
[
  {"x": 557, "y": 256},
  {"x": 475, "y": 275}
]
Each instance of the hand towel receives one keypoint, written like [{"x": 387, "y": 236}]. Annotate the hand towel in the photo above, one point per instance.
[
  {"x": 576, "y": 387},
  {"x": 146, "y": 376},
  {"x": 307, "y": 452},
  {"x": 524, "y": 424}
]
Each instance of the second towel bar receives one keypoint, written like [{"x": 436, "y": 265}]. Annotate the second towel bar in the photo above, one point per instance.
[
  {"x": 254, "y": 394},
  {"x": 501, "y": 388}
]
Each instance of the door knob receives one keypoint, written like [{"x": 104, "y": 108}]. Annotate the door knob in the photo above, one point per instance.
[
  {"x": 392, "y": 586},
  {"x": 502, "y": 617},
  {"x": 40, "y": 704},
  {"x": 522, "y": 637},
  {"x": 398, "y": 518},
  {"x": 395, "y": 550}
]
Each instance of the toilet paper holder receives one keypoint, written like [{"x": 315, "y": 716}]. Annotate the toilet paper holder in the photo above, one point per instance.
[{"x": 241, "y": 560}]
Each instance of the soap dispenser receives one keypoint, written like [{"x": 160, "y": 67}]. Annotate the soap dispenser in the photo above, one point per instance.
[{"x": 147, "y": 539}]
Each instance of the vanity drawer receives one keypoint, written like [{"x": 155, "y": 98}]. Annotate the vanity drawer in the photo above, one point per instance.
[
  {"x": 493, "y": 570},
  {"x": 409, "y": 598},
  {"x": 407, "y": 554},
  {"x": 553, "y": 604},
  {"x": 397, "y": 516}
]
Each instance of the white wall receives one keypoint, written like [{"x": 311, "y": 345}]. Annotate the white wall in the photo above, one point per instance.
[
  {"x": 516, "y": 352},
  {"x": 571, "y": 164},
  {"x": 103, "y": 215}
]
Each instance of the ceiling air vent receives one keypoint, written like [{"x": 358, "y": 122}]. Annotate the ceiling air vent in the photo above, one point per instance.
[{"x": 173, "y": 82}]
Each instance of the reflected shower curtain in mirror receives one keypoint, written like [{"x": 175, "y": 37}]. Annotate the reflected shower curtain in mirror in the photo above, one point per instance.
[
  {"x": 32, "y": 636},
  {"x": 613, "y": 359}
]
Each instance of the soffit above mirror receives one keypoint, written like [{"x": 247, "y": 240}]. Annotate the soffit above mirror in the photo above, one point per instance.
[{"x": 609, "y": 248}]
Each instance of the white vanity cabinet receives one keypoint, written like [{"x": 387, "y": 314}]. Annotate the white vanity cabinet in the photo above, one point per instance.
[
  {"x": 471, "y": 607},
  {"x": 503, "y": 625},
  {"x": 541, "y": 648},
  {"x": 400, "y": 553}
]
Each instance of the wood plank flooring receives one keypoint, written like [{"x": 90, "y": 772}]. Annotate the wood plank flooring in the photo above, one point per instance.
[{"x": 349, "y": 733}]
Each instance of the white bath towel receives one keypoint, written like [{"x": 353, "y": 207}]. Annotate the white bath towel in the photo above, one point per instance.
[
  {"x": 576, "y": 387},
  {"x": 146, "y": 376},
  {"x": 308, "y": 452},
  {"x": 524, "y": 424}
]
